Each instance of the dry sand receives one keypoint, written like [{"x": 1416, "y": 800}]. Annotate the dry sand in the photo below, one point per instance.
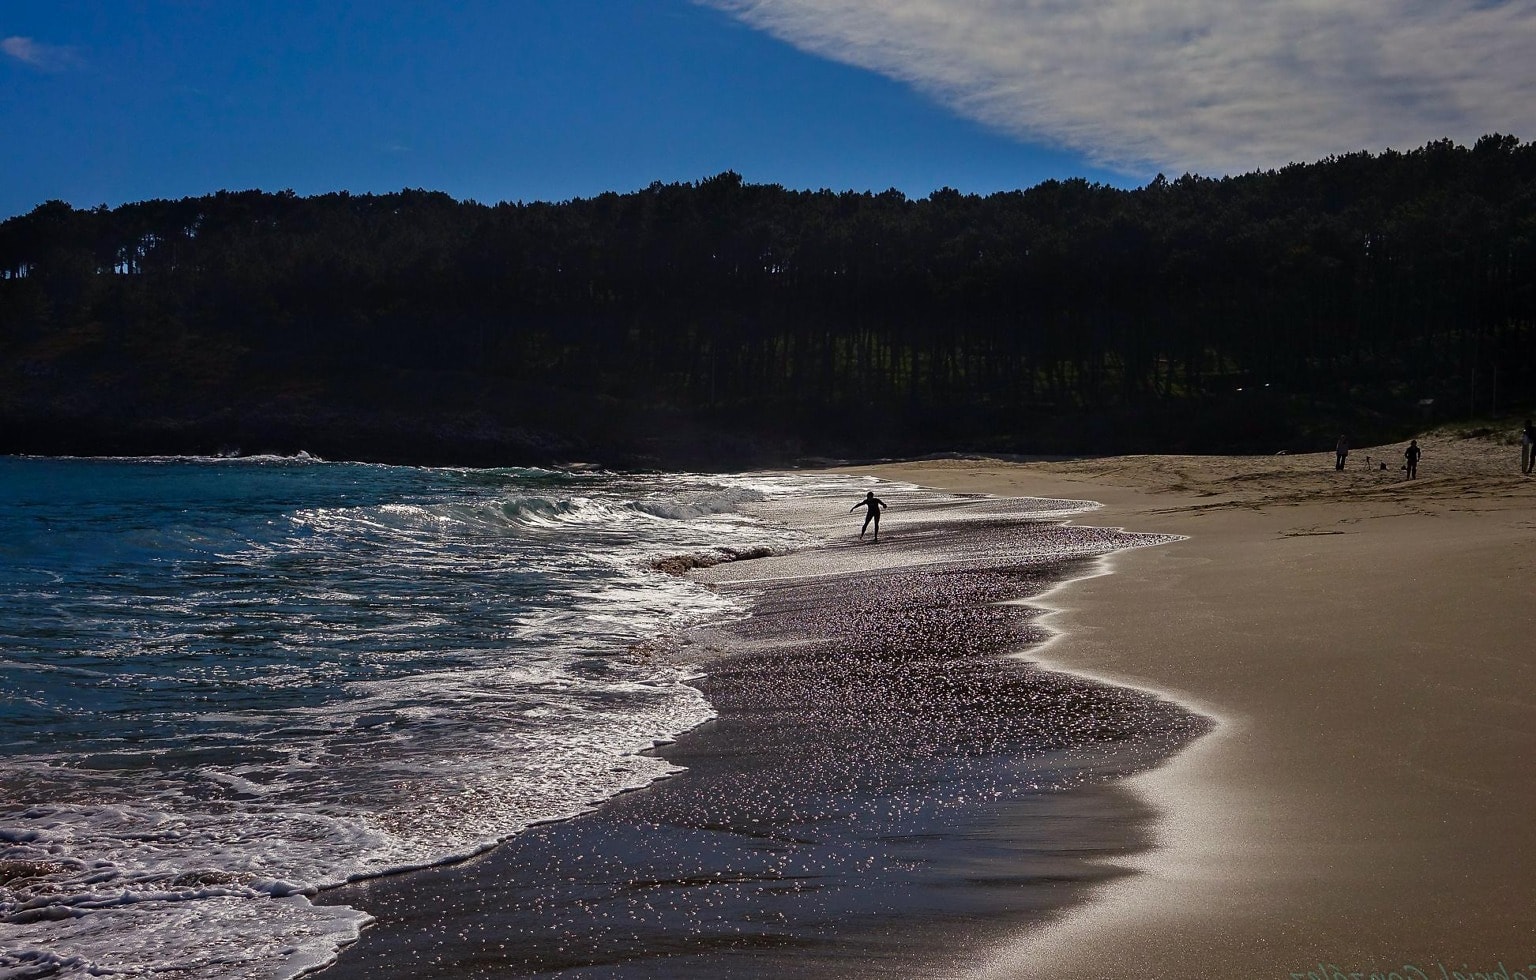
[{"x": 1368, "y": 646}]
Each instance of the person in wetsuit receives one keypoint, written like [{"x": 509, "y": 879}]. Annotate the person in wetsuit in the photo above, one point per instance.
[{"x": 874, "y": 504}]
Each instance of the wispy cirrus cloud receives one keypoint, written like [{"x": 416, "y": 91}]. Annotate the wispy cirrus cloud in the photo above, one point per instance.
[
  {"x": 1211, "y": 86},
  {"x": 35, "y": 54}
]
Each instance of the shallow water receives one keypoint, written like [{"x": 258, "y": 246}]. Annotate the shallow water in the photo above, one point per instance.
[{"x": 227, "y": 683}]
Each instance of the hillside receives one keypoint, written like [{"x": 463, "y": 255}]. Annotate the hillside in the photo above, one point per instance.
[{"x": 723, "y": 324}]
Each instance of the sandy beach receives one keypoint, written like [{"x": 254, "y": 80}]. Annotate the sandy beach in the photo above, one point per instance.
[
  {"x": 1366, "y": 643},
  {"x": 1355, "y": 647}
]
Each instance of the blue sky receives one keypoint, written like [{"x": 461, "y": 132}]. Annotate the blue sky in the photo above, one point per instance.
[{"x": 107, "y": 102}]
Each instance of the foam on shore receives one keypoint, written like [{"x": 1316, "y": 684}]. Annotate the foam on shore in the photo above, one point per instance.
[{"x": 883, "y": 788}]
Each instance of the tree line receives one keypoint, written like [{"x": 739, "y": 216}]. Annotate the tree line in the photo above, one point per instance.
[{"x": 1193, "y": 313}]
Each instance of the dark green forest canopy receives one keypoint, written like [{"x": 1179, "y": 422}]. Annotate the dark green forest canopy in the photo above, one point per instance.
[{"x": 720, "y": 321}]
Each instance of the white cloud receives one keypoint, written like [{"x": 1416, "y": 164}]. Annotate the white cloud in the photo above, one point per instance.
[
  {"x": 1211, "y": 86},
  {"x": 47, "y": 57}
]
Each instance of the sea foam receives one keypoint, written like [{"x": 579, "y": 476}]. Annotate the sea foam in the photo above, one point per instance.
[{"x": 231, "y": 683}]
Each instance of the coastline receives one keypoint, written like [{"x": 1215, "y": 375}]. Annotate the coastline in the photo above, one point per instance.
[
  {"x": 1365, "y": 644},
  {"x": 884, "y": 792}
]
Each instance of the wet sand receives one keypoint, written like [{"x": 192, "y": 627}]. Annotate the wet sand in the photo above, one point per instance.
[
  {"x": 1368, "y": 645},
  {"x": 884, "y": 793}
]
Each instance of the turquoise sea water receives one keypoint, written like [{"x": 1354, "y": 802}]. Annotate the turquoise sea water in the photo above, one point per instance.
[{"x": 226, "y": 683}]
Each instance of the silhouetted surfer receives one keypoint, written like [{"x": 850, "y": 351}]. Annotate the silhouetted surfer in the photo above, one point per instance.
[{"x": 874, "y": 504}]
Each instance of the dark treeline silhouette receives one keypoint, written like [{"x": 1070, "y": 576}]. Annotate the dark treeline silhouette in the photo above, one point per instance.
[{"x": 736, "y": 322}]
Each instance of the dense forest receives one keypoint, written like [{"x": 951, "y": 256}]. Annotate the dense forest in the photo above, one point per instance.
[{"x": 726, "y": 323}]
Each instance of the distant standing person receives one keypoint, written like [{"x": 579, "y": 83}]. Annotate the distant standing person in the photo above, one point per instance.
[
  {"x": 1340, "y": 452},
  {"x": 1411, "y": 454},
  {"x": 1528, "y": 448},
  {"x": 874, "y": 504}
]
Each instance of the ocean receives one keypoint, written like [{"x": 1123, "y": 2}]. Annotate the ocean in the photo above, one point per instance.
[{"x": 227, "y": 685}]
